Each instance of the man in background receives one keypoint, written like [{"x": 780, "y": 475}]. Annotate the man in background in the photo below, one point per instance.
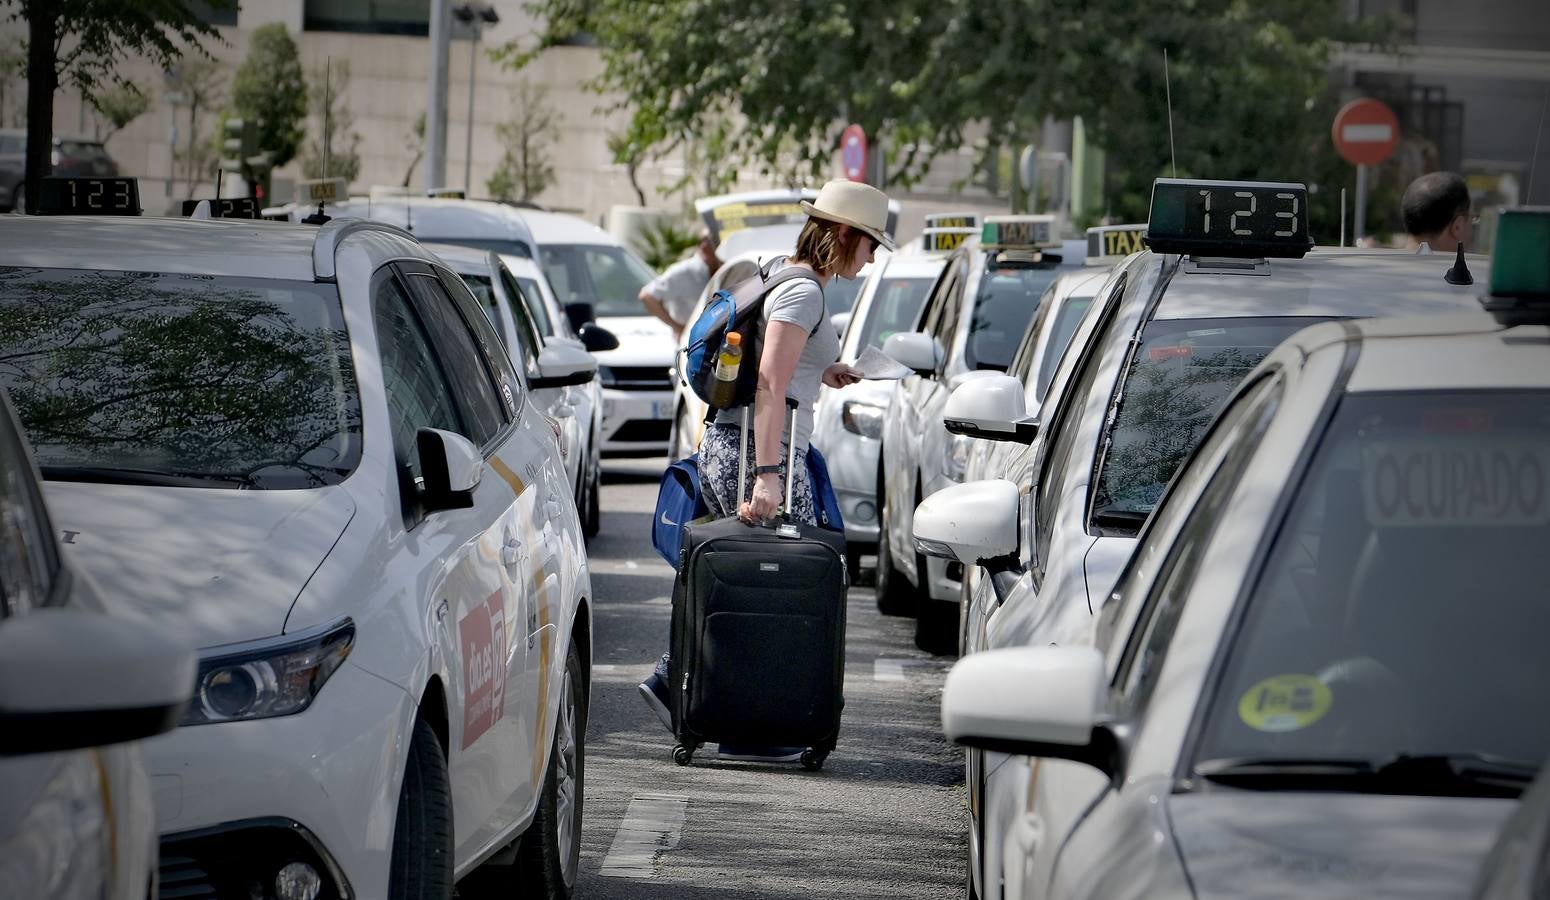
[
  {"x": 1437, "y": 214},
  {"x": 672, "y": 295}
]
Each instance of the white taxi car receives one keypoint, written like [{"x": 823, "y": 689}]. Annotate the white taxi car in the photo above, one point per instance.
[
  {"x": 515, "y": 307},
  {"x": 1157, "y": 354},
  {"x": 972, "y": 322},
  {"x": 80, "y": 685},
  {"x": 848, "y": 421},
  {"x": 1311, "y": 677},
  {"x": 303, "y": 451}
]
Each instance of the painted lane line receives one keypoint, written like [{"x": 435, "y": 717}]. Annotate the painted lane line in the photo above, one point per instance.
[
  {"x": 653, "y": 824},
  {"x": 888, "y": 669}
]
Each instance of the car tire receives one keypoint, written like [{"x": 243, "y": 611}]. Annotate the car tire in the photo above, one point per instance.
[
  {"x": 422, "y": 838},
  {"x": 19, "y": 198},
  {"x": 895, "y": 597},
  {"x": 549, "y": 852},
  {"x": 936, "y": 625},
  {"x": 592, "y": 513},
  {"x": 682, "y": 444}
]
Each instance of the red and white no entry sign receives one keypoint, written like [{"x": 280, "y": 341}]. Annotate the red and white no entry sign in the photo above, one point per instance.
[
  {"x": 853, "y": 152},
  {"x": 1366, "y": 132}
]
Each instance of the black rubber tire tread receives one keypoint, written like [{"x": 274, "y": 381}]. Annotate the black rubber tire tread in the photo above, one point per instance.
[
  {"x": 538, "y": 870},
  {"x": 592, "y": 513},
  {"x": 936, "y": 626},
  {"x": 422, "y": 863},
  {"x": 895, "y": 596}
]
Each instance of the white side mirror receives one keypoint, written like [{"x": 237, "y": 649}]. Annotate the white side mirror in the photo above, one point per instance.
[
  {"x": 1032, "y": 701},
  {"x": 970, "y": 523},
  {"x": 72, "y": 678},
  {"x": 561, "y": 364},
  {"x": 450, "y": 467},
  {"x": 914, "y": 350},
  {"x": 990, "y": 407}
]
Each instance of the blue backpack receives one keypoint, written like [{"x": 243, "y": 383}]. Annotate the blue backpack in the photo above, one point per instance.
[{"x": 736, "y": 310}]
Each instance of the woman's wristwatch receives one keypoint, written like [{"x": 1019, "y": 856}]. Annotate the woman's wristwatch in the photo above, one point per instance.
[{"x": 766, "y": 470}]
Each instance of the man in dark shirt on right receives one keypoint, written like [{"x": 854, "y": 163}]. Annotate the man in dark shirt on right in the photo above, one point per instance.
[{"x": 1437, "y": 213}]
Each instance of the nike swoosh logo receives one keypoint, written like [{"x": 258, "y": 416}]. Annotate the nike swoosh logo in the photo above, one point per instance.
[{"x": 667, "y": 521}]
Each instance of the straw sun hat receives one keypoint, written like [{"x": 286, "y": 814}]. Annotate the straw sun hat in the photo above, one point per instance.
[{"x": 852, "y": 203}]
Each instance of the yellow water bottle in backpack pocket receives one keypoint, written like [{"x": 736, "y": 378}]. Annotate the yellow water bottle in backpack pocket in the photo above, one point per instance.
[{"x": 724, "y": 380}]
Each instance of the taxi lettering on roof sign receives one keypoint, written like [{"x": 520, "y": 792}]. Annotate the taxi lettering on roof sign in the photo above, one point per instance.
[
  {"x": 60, "y": 196},
  {"x": 945, "y": 238},
  {"x": 737, "y": 216},
  {"x": 1019, "y": 232},
  {"x": 321, "y": 190},
  {"x": 446, "y": 193},
  {"x": 1114, "y": 241},
  {"x": 1470, "y": 480},
  {"x": 953, "y": 220},
  {"x": 1242, "y": 219}
]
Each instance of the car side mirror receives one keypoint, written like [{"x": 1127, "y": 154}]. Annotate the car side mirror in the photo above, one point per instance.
[
  {"x": 1055, "y": 712},
  {"x": 71, "y": 678},
  {"x": 840, "y": 321},
  {"x": 579, "y": 314},
  {"x": 561, "y": 365},
  {"x": 450, "y": 467},
  {"x": 973, "y": 523},
  {"x": 596, "y": 338},
  {"x": 914, "y": 350},
  {"x": 990, "y": 407}
]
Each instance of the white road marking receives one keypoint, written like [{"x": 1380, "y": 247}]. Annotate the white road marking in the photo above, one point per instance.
[
  {"x": 631, "y": 564},
  {"x": 653, "y": 824},
  {"x": 888, "y": 669}
]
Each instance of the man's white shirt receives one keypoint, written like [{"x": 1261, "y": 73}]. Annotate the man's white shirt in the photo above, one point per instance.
[{"x": 680, "y": 285}]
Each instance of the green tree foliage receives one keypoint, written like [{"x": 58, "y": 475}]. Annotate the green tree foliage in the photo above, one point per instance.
[
  {"x": 119, "y": 104},
  {"x": 334, "y": 124},
  {"x": 270, "y": 89},
  {"x": 664, "y": 241},
  {"x": 779, "y": 79},
  {"x": 83, "y": 41},
  {"x": 198, "y": 83},
  {"x": 526, "y": 140}
]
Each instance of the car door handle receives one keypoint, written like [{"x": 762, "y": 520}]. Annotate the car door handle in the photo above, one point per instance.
[{"x": 511, "y": 551}]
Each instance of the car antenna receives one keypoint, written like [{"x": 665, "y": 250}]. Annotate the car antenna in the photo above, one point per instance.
[
  {"x": 319, "y": 217},
  {"x": 1459, "y": 274},
  {"x": 1528, "y": 194},
  {"x": 1173, "y": 158}
]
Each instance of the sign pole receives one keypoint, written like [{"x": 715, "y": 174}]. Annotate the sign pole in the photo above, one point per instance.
[{"x": 1360, "y": 228}]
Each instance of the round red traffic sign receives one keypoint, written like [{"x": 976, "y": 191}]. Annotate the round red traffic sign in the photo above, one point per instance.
[
  {"x": 853, "y": 152},
  {"x": 1366, "y": 132}
]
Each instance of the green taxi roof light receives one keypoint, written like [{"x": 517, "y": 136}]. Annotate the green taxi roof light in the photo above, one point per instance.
[
  {"x": 1520, "y": 261},
  {"x": 1018, "y": 232}
]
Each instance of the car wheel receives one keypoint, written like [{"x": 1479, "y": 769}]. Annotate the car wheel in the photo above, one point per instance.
[
  {"x": 19, "y": 199},
  {"x": 936, "y": 625},
  {"x": 592, "y": 513},
  {"x": 683, "y": 433},
  {"x": 549, "y": 854},
  {"x": 422, "y": 839},
  {"x": 894, "y": 595}
]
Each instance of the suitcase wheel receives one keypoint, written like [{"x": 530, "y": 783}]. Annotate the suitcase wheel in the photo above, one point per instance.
[
  {"x": 684, "y": 755},
  {"x": 812, "y": 760}
]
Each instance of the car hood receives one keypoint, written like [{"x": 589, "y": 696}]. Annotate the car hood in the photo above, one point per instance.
[
  {"x": 643, "y": 341},
  {"x": 210, "y": 566},
  {"x": 1251, "y": 844}
]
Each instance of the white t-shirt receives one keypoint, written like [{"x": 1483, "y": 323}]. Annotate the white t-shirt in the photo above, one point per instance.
[
  {"x": 800, "y": 302},
  {"x": 680, "y": 285}
]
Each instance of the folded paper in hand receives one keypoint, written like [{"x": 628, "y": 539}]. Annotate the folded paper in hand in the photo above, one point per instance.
[{"x": 879, "y": 366}]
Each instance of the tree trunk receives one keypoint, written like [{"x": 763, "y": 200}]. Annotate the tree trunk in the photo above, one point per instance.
[{"x": 43, "y": 24}]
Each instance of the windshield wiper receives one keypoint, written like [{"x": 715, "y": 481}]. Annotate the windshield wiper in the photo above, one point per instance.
[
  {"x": 1434, "y": 774},
  {"x": 144, "y": 477},
  {"x": 1128, "y": 520}
]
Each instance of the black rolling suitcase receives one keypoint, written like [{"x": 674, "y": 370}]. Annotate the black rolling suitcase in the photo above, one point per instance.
[{"x": 758, "y": 645}]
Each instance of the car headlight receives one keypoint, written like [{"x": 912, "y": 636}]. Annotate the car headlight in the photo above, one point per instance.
[
  {"x": 605, "y": 376},
  {"x": 269, "y": 678},
  {"x": 865, "y": 419},
  {"x": 955, "y": 458}
]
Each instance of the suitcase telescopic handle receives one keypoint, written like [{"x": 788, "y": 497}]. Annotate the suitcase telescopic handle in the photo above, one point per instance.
[{"x": 792, "y": 405}]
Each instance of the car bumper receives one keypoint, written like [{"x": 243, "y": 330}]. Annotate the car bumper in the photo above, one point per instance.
[
  {"x": 636, "y": 422},
  {"x": 240, "y": 800},
  {"x": 852, "y": 461}
]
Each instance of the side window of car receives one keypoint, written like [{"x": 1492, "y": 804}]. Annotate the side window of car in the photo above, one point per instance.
[
  {"x": 464, "y": 363},
  {"x": 1060, "y": 430},
  {"x": 492, "y": 350},
  {"x": 29, "y": 561},
  {"x": 529, "y": 342},
  {"x": 418, "y": 395},
  {"x": 1022, "y": 360},
  {"x": 1219, "y": 464},
  {"x": 936, "y": 305}
]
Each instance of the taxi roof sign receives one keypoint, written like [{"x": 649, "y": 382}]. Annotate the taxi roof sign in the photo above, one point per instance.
[
  {"x": 943, "y": 239},
  {"x": 1520, "y": 263},
  {"x": 88, "y": 196},
  {"x": 322, "y": 190},
  {"x": 1237, "y": 219},
  {"x": 1018, "y": 232},
  {"x": 1108, "y": 244},
  {"x": 446, "y": 193},
  {"x": 953, "y": 220}
]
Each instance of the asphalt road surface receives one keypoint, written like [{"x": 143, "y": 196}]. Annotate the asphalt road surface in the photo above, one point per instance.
[{"x": 883, "y": 818}]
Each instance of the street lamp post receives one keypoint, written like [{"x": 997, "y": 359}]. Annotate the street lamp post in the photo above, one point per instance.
[{"x": 475, "y": 16}]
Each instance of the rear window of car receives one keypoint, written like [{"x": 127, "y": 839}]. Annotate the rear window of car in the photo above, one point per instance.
[
  {"x": 606, "y": 276},
  {"x": 81, "y": 149},
  {"x": 180, "y": 380},
  {"x": 1175, "y": 383},
  {"x": 894, "y": 308},
  {"x": 1401, "y": 609},
  {"x": 1008, "y": 299},
  {"x": 499, "y": 245}
]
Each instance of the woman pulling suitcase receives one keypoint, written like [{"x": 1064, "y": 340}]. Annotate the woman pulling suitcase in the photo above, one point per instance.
[{"x": 845, "y": 225}]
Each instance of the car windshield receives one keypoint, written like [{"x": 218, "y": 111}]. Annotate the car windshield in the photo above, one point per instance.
[
  {"x": 1401, "y": 613},
  {"x": 1176, "y": 382},
  {"x": 606, "y": 276},
  {"x": 499, "y": 245},
  {"x": 894, "y": 308},
  {"x": 177, "y": 380},
  {"x": 1007, "y": 302},
  {"x": 1067, "y": 317}
]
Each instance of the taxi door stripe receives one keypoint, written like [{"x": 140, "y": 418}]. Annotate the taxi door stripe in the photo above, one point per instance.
[{"x": 507, "y": 475}]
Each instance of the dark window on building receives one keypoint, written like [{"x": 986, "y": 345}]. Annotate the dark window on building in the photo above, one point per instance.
[
  {"x": 216, "y": 12},
  {"x": 410, "y": 17}
]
